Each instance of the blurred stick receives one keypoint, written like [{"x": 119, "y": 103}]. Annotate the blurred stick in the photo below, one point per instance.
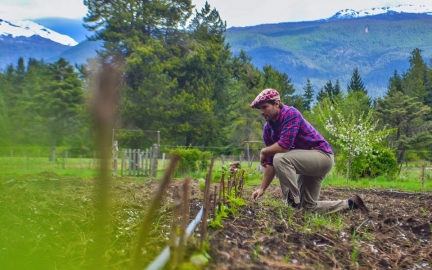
[
  {"x": 222, "y": 189},
  {"x": 184, "y": 221},
  {"x": 214, "y": 201},
  {"x": 104, "y": 88},
  {"x": 145, "y": 226},
  {"x": 206, "y": 204},
  {"x": 177, "y": 213}
]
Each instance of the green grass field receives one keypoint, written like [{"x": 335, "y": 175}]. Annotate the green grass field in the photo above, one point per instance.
[{"x": 47, "y": 210}]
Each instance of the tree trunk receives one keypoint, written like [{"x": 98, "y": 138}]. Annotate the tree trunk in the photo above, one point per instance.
[
  {"x": 52, "y": 151},
  {"x": 348, "y": 170}
]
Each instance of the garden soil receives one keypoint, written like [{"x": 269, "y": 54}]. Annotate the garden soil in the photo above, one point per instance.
[{"x": 267, "y": 234}]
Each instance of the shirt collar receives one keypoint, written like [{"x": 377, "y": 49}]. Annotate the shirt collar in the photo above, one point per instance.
[{"x": 279, "y": 116}]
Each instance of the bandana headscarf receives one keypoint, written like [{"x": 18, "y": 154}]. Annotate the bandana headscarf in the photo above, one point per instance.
[{"x": 265, "y": 95}]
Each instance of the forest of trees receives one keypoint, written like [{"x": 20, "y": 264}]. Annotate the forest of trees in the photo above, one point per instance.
[{"x": 181, "y": 79}]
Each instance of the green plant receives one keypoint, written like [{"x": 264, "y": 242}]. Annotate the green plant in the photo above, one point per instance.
[
  {"x": 423, "y": 211},
  {"x": 221, "y": 213},
  {"x": 255, "y": 250},
  {"x": 235, "y": 203}
]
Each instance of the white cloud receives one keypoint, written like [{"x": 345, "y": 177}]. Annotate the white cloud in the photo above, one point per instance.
[
  {"x": 253, "y": 12},
  {"x": 33, "y": 9},
  {"x": 234, "y": 12}
]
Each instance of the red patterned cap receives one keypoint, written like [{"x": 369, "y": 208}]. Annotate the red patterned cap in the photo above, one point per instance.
[{"x": 265, "y": 95}]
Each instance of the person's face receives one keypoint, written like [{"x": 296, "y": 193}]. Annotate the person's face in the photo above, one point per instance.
[{"x": 269, "y": 111}]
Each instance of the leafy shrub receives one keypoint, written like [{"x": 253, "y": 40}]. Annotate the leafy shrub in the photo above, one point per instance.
[
  {"x": 191, "y": 160},
  {"x": 204, "y": 161},
  {"x": 381, "y": 161}
]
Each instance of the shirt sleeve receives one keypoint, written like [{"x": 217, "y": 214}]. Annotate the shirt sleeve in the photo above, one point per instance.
[
  {"x": 267, "y": 141},
  {"x": 289, "y": 129}
]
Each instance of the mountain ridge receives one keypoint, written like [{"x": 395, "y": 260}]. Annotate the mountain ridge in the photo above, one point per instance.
[
  {"x": 330, "y": 50},
  {"x": 28, "y": 28},
  {"x": 320, "y": 50}
]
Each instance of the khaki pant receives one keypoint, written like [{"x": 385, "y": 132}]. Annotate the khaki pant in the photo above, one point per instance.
[{"x": 311, "y": 166}]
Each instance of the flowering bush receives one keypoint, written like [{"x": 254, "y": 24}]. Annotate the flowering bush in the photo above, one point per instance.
[{"x": 355, "y": 135}]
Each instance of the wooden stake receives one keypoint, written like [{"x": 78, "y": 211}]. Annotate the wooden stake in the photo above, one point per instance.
[
  {"x": 214, "y": 202},
  {"x": 151, "y": 209},
  {"x": 184, "y": 220},
  {"x": 206, "y": 204}
]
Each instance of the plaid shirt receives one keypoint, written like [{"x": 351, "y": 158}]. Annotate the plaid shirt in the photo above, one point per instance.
[{"x": 291, "y": 131}]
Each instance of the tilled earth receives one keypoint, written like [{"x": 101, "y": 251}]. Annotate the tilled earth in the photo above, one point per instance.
[{"x": 395, "y": 234}]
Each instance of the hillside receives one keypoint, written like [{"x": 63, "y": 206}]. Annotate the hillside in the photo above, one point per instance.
[
  {"x": 323, "y": 50},
  {"x": 331, "y": 49},
  {"x": 11, "y": 49}
]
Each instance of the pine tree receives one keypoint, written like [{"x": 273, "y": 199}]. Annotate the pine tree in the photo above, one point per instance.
[
  {"x": 60, "y": 104},
  {"x": 308, "y": 95},
  {"x": 336, "y": 89},
  {"x": 395, "y": 84},
  {"x": 322, "y": 94},
  {"x": 407, "y": 115},
  {"x": 414, "y": 80},
  {"x": 356, "y": 83},
  {"x": 279, "y": 81}
]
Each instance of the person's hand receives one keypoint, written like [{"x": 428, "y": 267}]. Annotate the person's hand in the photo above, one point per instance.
[
  {"x": 263, "y": 159},
  {"x": 257, "y": 193}
]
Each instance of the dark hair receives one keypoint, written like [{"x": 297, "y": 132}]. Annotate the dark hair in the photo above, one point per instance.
[{"x": 273, "y": 102}]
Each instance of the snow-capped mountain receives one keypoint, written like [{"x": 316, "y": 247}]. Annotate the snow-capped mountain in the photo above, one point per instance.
[
  {"x": 350, "y": 13},
  {"x": 29, "y": 29}
]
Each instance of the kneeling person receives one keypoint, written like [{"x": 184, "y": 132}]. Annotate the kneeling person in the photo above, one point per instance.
[{"x": 294, "y": 147}]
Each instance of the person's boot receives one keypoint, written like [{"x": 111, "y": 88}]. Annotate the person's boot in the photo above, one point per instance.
[
  {"x": 355, "y": 202},
  {"x": 292, "y": 203}
]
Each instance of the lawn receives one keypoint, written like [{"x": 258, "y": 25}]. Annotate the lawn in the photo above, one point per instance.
[{"x": 48, "y": 215}]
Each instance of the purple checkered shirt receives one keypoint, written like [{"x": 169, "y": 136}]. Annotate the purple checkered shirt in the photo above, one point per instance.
[{"x": 291, "y": 131}]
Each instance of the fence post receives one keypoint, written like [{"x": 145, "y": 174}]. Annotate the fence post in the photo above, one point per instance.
[
  {"x": 154, "y": 160},
  {"x": 146, "y": 170},
  {"x": 134, "y": 170},
  {"x": 115, "y": 158},
  {"x": 122, "y": 162},
  {"x": 130, "y": 161}
]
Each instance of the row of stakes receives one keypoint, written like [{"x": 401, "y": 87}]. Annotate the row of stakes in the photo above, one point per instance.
[{"x": 212, "y": 201}]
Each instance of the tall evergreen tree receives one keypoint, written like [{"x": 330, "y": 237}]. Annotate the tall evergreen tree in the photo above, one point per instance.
[
  {"x": 123, "y": 24},
  {"x": 414, "y": 80},
  {"x": 308, "y": 95},
  {"x": 407, "y": 115},
  {"x": 279, "y": 81},
  {"x": 395, "y": 84},
  {"x": 337, "y": 89},
  {"x": 59, "y": 104},
  {"x": 322, "y": 94},
  {"x": 244, "y": 124},
  {"x": 356, "y": 82}
]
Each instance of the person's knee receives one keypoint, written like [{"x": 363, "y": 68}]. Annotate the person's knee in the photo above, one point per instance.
[{"x": 277, "y": 160}]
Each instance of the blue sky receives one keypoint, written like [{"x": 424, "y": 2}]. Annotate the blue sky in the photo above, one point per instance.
[{"x": 234, "y": 12}]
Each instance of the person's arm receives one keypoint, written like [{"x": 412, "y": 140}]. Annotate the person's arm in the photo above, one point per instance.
[
  {"x": 273, "y": 149},
  {"x": 269, "y": 174}
]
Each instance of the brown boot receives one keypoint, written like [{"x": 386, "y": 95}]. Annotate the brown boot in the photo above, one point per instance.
[{"x": 355, "y": 202}]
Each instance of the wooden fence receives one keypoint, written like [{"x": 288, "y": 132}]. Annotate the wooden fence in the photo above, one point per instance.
[{"x": 135, "y": 162}]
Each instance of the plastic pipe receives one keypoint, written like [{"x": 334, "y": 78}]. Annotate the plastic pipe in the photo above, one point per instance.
[{"x": 164, "y": 256}]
